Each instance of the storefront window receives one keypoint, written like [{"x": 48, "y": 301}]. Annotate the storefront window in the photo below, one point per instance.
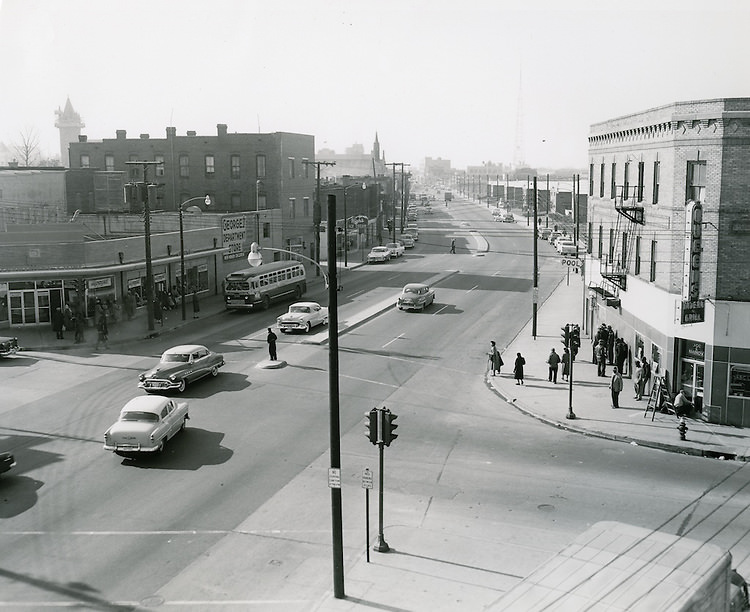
[
  {"x": 739, "y": 381},
  {"x": 656, "y": 360}
]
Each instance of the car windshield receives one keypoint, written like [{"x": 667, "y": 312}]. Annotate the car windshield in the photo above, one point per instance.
[
  {"x": 415, "y": 290},
  {"x": 299, "y": 309},
  {"x": 175, "y": 357},
  {"x": 140, "y": 416}
]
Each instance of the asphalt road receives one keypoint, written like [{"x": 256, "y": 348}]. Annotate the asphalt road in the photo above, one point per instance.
[{"x": 78, "y": 524}]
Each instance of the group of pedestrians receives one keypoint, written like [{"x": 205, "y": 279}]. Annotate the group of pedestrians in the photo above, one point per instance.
[{"x": 495, "y": 362}]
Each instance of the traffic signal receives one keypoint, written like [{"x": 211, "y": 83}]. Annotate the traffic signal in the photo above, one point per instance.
[
  {"x": 130, "y": 192},
  {"x": 566, "y": 335},
  {"x": 371, "y": 425},
  {"x": 389, "y": 224},
  {"x": 575, "y": 339},
  {"x": 389, "y": 427}
]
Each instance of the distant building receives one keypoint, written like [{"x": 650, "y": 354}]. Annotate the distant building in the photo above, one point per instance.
[
  {"x": 437, "y": 171},
  {"x": 70, "y": 125},
  {"x": 354, "y": 162},
  {"x": 668, "y": 244}
]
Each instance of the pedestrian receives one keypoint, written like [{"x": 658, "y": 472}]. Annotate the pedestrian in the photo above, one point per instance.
[
  {"x": 518, "y": 369},
  {"x": 158, "y": 312},
  {"x": 102, "y": 332},
  {"x": 58, "y": 322},
  {"x": 453, "y": 245},
  {"x": 79, "y": 327},
  {"x": 494, "y": 358},
  {"x": 553, "y": 361},
  {"x": 682, "y": 405},
  {"x": 646, "y": 373},
  {"x": 638, "y": 381},
  {"x": 611, "y": 335},
  {"x": 601, "y": 358},
  {"x": 615, "y": 386},
  {"x": 196, "y": 305},
  {"x": 621, "y": 353},
  {"x": 271, "y": 339},
  {"x": 68, "y": 318},
  {"x": 566, "y": 364}
]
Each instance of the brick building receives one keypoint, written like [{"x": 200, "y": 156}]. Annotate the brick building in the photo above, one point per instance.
[
  {"x": 668, "y": 246},
  {"x": 240, "y": 173}
]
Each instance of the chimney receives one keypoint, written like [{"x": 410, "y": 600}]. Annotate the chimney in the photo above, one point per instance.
[
  {"x": 191, "y": 133},
  {"x": 221, "y": 129},
  {"x": 144, "y": 136},
  {"x": 171, "y": 132},
  {"x": 82, "y": 138},
  {"x": 121, "y": 134}
]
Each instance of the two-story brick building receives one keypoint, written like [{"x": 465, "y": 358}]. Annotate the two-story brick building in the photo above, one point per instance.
[{"x": 669, "y": 244}]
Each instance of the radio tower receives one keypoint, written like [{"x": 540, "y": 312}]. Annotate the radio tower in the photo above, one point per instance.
[{"x": 518, "y": 154}]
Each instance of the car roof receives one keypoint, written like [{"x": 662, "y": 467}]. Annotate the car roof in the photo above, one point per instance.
[
  {"x": 415, "y": 286},
  {"x": 379, "y": 248},
  {"x": 184, "y": 348},
  {"x": 311, "y": 304},
  {"x": 146, "y": 403}
]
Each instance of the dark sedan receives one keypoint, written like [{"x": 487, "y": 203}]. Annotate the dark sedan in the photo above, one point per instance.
[{"x": 179, "y": 366}]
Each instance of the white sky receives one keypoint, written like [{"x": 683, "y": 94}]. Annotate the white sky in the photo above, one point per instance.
[{"x": 434, "y": 78}]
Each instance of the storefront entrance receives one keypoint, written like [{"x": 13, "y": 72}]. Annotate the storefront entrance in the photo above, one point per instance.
[{"x": 31, "y": 307}]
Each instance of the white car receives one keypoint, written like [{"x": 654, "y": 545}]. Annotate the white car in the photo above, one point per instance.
[
  {"x": 415, "y": 296},
  {"x": 396, "y": 248},
  {"x": 303, "y": 316},
  {"x": 407, "y": 240},
  {"x": 145, "y": 425},
  {"x": 413, "y": 232},
  {"x": 379, "y": 254},
  {"x": 566, "y": 247}
]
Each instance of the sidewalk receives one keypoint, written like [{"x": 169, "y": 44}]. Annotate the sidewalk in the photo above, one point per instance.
[
  {"x": 42, "y": 338},
  {"x": 591, "y": 403}
]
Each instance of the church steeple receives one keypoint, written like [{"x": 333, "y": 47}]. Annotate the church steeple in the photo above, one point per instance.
[
  {"x": 376, "y": 148},
  {"x": 69, "y": 123}
]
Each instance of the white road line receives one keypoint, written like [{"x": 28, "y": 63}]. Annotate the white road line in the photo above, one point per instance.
[{"x": 392, "y": 341}]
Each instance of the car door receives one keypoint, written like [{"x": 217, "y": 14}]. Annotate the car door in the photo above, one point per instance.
[{"x": 200, "y": 363}]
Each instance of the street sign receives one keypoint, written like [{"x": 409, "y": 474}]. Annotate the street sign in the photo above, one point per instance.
[
  {"x": 334, "y": 478},
  {"x": 366, "y": 478},
  {"x": 568, "y": 261}
]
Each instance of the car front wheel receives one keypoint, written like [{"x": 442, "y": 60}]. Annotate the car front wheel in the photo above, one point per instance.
[
  {"x": 308, "y": 327},
  {"x": 182, "y": 386}
]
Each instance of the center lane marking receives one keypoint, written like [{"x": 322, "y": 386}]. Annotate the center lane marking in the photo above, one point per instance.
[{"x": 392, "y": 341}]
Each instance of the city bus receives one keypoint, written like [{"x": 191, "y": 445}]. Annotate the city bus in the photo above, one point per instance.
[{"x": 258, "y": 287}]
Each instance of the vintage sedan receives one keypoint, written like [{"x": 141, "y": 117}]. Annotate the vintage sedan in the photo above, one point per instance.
[
  {"x": 396, "y": 248},
  {"x": 509, "y": 218},
  {"x": 303, "y": 316},
  {"x": 415, "y": 296},
  {"x": 6, "y": 461},
  {"x": 179, "y": 366},
  {"x": 379, "y": 254},
  {"x": 8, "y": 346},
  {"x": 145, "y": 425},
  {"x": 407, "y": 240}
]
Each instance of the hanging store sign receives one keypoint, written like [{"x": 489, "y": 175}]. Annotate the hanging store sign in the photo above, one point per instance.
[
  {"x": 99, "y": 283},
  {"x": 693, "y": 247},
  {"x": 233, "y": 232},
  {"x": 693, "y": 311}
]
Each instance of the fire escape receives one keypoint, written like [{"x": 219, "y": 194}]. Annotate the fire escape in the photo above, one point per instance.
[{"x": 615, "y": 265}]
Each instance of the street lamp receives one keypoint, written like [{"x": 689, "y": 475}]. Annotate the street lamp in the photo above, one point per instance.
[
  {"x": 258, "y": 185},
  {"x": 207, "y": 201}
]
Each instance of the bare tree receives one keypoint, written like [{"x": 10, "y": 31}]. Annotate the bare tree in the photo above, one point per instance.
[{"x": 28, "y": 147}]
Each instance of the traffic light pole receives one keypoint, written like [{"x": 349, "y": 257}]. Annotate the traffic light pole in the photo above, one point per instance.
[
  {"x": 571, "y": 415},
  {"x": 382, "y": 545}
]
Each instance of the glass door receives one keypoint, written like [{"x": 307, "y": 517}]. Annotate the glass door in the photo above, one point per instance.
[
  {"x": 691, "y": 380},
  {"x": 22, "y": 307}
]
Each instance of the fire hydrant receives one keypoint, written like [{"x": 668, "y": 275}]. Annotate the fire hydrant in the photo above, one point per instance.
[{"x": 682, "y": 428}]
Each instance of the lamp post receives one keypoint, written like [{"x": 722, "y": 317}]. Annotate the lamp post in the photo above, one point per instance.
[
  {"x": 258, "y": 185},
  {"x": 207, "y": 201}
]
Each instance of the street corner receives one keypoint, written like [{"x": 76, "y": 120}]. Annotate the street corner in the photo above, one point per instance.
[{"x": 268, "y": 364}]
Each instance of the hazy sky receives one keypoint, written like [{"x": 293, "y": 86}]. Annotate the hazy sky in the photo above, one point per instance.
[{"x": 434, "y": 78}]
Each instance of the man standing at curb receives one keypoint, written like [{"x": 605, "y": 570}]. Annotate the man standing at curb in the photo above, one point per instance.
[
  {"x": 600, "y": 353},
  {"x": 271, "y": 339},
  {"x": 554, "y": 361},
  {"x": 615, "y": 386}
]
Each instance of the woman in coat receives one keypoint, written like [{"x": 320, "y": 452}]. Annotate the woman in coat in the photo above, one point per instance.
[
  {"x": 495, "y": 361},
  {"x": 518, "y": 369}
]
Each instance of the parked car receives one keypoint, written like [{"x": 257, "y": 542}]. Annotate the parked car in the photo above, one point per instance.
[
  {"x": 179, "y": 366},
  {"x": 544, "y": 232},
  {"x": 6, "y": 461},
  {"x": 145, "y": 425},
  {"x": 396, "y": 248},
  {"x": 415, "y": 296},
  {"x": 8, "y": 346},
  {"x": 566, "y": 247},
  {"x": 303, "y": 316},
  {"x": 413, "y": 232},
  {"x": 379, "y": 254},
  {"x": 560, "y": 238},
  {"x": 497, "y": 214},
  {"x": 553, "y": 235},
  {"x": 509, "y": 218},
  {"x": 407, "y": 240}
]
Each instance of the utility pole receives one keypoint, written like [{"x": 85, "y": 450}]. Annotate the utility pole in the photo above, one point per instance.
[
  {"x": 393, "y": 198},
  {"x": 146, "y": 193},
  {"x": 316, "y": 209},
  {"x": 535, "y": 294}
]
